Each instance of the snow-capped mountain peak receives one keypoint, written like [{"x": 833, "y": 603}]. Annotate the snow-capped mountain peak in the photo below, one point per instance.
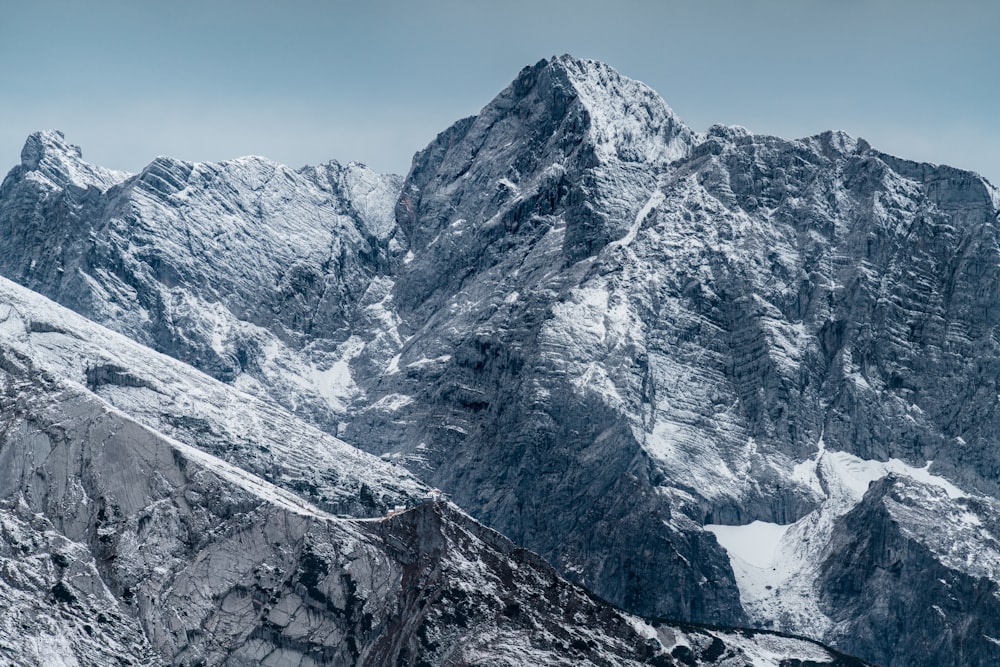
[
  {"x": 629, "y": 121},
  {"x": 48, "y": 154}
]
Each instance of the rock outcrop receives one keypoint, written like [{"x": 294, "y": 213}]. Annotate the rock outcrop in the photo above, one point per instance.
[{"x": 250, "y": 271}]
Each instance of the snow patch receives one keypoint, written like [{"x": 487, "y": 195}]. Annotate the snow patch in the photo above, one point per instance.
[
  {"x": 424, "y": 361},
  {"x": 654, "y": 200},
  {"x": 757, "y": 543},
  {"x": 641, "y": 627},
  {"x": 336, "y": 383},
  {"x": 393, "y": 366},
  {"x": 766, "y": 650},
  {"x": 392, "y": 402}
]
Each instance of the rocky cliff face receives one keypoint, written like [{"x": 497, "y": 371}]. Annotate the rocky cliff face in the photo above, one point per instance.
[
  {"x": 901, "y": 533},
  {"x": 754, "y": 303},
  {"x": 122, "y": 545},
  {"x": 182, "y": 403},
  {"x": 504, "y": 214},
  {"x": 600, "y": 332}
]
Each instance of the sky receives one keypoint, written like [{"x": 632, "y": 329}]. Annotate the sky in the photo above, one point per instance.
[{"x": 306, "y": 81}]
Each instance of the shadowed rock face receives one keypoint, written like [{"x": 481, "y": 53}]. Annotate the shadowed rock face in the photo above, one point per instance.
[
  {"x": 750, "y": 297},
  {"x": 594, "y": 328},
  {"x": 505, "y": 213},
  {"x": 897, "y": 535},
  {"x": 743, "y": 305}
]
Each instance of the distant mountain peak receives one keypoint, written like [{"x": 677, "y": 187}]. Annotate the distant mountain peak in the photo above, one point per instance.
[
  {"x": 564, "y": 131},
  {"x": 48, "y": 153},
  {"x": 39, "y": 144},
  {"x": 628, "y": 119}
]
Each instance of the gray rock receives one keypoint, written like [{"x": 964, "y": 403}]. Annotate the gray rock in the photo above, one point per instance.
[
  {"x": 504, "y": 213},
  {"x": 877, "y": 552},
  {"x": 736, "y": 309}
]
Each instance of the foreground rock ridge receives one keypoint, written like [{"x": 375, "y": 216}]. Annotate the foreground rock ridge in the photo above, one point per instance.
[{"x": 721, "y": 377}]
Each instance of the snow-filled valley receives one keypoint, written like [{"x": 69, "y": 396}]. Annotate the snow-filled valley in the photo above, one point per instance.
[{"x": 777, "y": 566}]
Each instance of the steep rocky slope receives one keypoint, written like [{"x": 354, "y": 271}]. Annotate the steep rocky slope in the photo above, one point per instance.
[
  {"x": 184, "y": 404},
  {"x": 748, "y": 307},
  {"x": 499, "y": 408},
  {"x": 121, "y": 545},
  {"x": 900, "y": 535},
  {"x": 601, "y": 332}
]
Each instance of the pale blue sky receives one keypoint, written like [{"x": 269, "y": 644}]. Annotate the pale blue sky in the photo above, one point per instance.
[{"x": 304, "y": 81}]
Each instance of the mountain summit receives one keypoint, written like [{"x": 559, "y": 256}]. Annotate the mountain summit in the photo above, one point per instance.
[
  {"x": 561, "y": 116},
  {"x": 48, "y": 154}
]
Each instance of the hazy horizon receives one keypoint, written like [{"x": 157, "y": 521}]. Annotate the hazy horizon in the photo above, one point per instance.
[{"x": 306, "y": 82}]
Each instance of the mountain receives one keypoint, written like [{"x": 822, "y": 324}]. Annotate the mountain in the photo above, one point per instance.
[
  {"x": 715, "y": 376},
  {"x": 754, "y": 327},
  {"x": 123, "y": 544},
  {"x": 229, "y": 267}
]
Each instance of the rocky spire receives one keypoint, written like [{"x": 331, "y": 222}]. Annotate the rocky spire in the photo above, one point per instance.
[{"x": 49, "y": 154}]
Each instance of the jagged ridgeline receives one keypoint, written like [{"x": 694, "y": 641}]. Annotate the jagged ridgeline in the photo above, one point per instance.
[{"x": 672, "y": 363}]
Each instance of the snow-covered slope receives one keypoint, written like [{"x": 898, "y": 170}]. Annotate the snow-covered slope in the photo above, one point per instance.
[
  {"x": 179, "y": 401},
  {"x": 780, "y": 569}
]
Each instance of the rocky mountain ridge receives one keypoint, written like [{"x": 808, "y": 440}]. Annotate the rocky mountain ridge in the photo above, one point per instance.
[
  {"x": 173, "y": 257},
  {"x": 600, "y": 332}
]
